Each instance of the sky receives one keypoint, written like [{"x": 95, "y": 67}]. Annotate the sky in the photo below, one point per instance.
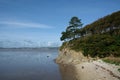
[{"x": 44, "y": 20}]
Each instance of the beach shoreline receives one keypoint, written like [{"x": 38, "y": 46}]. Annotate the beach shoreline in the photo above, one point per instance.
[{"x": 74, "y": 66}]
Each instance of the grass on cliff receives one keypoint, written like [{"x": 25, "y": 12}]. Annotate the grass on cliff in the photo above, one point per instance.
[
  {"x": 101, "y": 45},
  {"x": 119, "y": 69},
  {"x": 112, "y": 60}
]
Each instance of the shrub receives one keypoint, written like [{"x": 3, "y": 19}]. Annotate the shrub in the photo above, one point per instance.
[{"x": 98, "y": 45}]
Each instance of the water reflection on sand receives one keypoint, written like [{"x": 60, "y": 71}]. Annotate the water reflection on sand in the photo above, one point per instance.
[{"x": 68, "y": 72}]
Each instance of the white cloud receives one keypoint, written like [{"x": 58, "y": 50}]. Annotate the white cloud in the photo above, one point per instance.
[{"x": 24, "y": 24}]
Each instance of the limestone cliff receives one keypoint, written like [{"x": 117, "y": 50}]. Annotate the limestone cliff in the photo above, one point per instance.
[{"x": 67, "y": 56}]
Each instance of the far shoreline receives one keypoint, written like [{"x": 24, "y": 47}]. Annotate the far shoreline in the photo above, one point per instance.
[{"x": 27, "y": 47}]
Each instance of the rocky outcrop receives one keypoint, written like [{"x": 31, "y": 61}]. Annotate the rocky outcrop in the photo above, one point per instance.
[{"x": 67, "y": 56}]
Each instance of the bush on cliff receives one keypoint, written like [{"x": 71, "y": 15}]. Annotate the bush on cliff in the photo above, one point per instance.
[
  {"x": 98, "y": 39},
  {"x": 96, "y": 45}
]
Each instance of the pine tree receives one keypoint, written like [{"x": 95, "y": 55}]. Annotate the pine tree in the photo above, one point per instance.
[{"x": 72, "y": 30}]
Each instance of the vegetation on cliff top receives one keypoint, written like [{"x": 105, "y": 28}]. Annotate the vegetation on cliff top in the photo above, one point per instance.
[{"x": 98, "y": 39}]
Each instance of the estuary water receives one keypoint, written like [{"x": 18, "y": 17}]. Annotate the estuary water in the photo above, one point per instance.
[{"x": 29, "y": 64}]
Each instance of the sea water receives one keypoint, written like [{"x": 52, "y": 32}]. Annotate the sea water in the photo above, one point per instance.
[{"x": 29, "y": 64}]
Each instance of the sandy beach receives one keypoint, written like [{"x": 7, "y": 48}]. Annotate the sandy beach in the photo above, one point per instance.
[
  {"x": 77, "y": 67},
  {"x": 97, "y": 70}
]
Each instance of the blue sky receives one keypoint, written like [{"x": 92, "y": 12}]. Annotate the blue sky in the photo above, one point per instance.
[{"x": 44, "y": 20}]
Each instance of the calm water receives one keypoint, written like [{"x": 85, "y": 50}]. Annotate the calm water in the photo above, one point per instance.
[{"x": 29, "y": 64}]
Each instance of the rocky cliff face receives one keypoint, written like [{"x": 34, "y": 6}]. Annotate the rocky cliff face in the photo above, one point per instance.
[{"x": 67, "y": 56}]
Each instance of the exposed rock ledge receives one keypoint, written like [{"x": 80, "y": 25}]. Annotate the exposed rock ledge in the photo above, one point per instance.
[
  {"x": 74, "y": 66},
  {"x": 68, "y": 56}
]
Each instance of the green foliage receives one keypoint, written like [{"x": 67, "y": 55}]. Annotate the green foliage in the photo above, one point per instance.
[
  {"x": 110, "y": 60},
  {"x": 64, "y": 45},
  {"x": 98, "y": 39},
  {"x": 108, "y": 23},
  {"x": 101, "y": 45},
  {"x": 71, "y": 31},
  {"x": 119, "y": 69}
]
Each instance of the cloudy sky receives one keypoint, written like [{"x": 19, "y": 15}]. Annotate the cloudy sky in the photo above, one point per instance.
[{"x": 44, "y": 20}]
